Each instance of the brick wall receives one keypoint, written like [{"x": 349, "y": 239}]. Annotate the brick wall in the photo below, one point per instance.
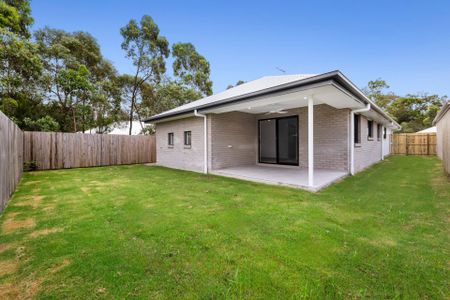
[
  {"x": 369, "y": 151},
  {"x": 179, "y": 156},
  {"x": 232, "y": 140}
]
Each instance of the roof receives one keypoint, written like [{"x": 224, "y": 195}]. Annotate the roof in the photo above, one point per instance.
[
  {"x": 441, "y": 113},
  {"x": 122, "y": 128},
  {"x": 267, "y": 85},
  {"x": 239, "y": 90},
  {"x": 428, "y": 130}
]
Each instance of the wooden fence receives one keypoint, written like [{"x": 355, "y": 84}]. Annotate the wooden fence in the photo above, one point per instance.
[
  {"x": 413, "y": 143},
  {"x": 11, "y": 158},
  {"x": 56, "y": 150}
]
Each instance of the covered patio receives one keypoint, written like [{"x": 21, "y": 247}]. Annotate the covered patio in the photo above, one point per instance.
[{"x": 279, "y": 175}]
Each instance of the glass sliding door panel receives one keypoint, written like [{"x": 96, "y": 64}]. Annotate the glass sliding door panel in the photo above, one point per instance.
[
  {"x": 267, "y": 141},
  {"x": 288, "y": 141}
]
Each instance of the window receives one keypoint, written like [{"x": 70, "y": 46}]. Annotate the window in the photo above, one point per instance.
[
  {"x": 384, "y": 133},
  {"x": 378, "y": 131},
  {"x": 369, "y": 129},
  {"x": 187, "y": 138},
  {"x": 357, "y": 129},
  {"x": 170, "y": 139}
]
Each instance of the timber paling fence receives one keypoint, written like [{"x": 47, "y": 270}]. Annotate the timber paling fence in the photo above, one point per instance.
[
  {"x": 413, "y": 143},
  {"x": 57, "y": 150},
  {"x": 11, "y": 158}
]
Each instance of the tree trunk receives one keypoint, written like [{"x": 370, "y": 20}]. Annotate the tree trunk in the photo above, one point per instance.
[{"x": 131, "y": 114}]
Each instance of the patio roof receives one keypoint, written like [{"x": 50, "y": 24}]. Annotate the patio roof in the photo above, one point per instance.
[{"x": 281, "y": 92}]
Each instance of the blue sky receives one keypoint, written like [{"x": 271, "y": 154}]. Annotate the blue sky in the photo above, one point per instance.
[{"x": 407, "y": 43}]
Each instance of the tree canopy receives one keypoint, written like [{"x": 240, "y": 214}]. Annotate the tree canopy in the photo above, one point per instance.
[
  {"x": 412, "y": 112},
  {"x": 56, "y": 80},
  {"x": 51, "y": 79}
]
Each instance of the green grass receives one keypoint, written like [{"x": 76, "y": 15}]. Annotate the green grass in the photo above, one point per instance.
[{"x": 151, "y": 232}]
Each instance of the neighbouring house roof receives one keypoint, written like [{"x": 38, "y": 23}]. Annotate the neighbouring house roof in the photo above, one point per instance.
[
  {"x": 441, "y": 113},
  {"x": 268, "y": 85},
  {"x": 122, "y": 128},
  {"x": 428, "y": 130}
]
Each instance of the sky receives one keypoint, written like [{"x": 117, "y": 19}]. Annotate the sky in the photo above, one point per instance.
[{"x": 406, "y": 43}]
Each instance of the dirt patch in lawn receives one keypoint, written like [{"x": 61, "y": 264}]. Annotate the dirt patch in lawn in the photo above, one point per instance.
[
  {"x": 33, "y": 202},
  {"x": 6, "y": 247},
  {"x": 85, "y": 189},
  {"x": 9, "y": 291},
  {"x": 12, "y": 224},
  {"x": 8, "y": 266},
  {"x": 60, "y": 266},
  {"x": 43, "y": 232}
]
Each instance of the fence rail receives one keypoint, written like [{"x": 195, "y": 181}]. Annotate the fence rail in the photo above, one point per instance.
[
  {"x": 11, "y": 158},
  {"x": 413, "y": 143},
  {"x": 57, "y": 150}
]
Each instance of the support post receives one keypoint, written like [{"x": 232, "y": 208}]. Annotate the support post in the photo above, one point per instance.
[{"x": 310, "y": 142}]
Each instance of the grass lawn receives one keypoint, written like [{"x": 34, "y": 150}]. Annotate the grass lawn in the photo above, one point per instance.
[{"x": 150, "y": 232}]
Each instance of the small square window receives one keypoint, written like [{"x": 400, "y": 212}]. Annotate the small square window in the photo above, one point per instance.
[
  {"x": 170, "y": 139},
  {"x": 187, "y": 138},
  {"x": 369, "y": 129}
]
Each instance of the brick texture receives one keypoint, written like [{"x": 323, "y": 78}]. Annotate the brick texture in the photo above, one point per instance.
[
  {"x": 369, "y": 152},
  {"x": 179, "y": 156},
  {"x": 233, "y": 140}
]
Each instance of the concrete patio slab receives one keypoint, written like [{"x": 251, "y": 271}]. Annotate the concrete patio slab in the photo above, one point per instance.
[{"x": 278, "y": 175}]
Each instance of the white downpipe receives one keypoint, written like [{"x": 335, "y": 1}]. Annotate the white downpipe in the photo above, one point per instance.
[
  {"x": 352, "y": 138},
  {"x": 310, "y": 142},
  {"x": 205, "y": 141},
  {"x": 382, "y": 146}
]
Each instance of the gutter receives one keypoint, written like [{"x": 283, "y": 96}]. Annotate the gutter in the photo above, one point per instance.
[
  {"x": 352, "y": 133},
  {"x": 205, "y": 140}
]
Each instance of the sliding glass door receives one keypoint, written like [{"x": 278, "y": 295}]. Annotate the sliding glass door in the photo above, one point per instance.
[{"x": 278, "y": 141}]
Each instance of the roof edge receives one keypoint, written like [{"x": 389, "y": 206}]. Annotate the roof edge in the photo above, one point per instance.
[
  {"x": 441, "y": 113},
  {"x": 335, "y": 75}
]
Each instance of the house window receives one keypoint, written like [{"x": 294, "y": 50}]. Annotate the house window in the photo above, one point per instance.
[
  {"x": 170, "y": 139},
  {"x": 378, "y": 131},
  {"x": 357, "y": 129},
  {"x": 384, "y": 133},
  {"x": 187, "y": 138},
  {"x": 369, "y": 129}
]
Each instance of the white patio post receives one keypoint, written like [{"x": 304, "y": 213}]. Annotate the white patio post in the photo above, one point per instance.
[{"x": 310, "y": 142}]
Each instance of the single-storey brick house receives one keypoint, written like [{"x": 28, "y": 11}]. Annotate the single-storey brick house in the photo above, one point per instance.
[{"x": 298, "y": 130}]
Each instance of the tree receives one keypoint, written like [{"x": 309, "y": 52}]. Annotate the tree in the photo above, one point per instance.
[
  {"x": 15, "y": 17},
  {"x": 46, "y": 123},
  {"x": 192, "y": 68},
  {"x": 239, "y": 82},
  {"x": 77, "y": 79},
  {"x": 148, "y": 50},
  {"x": 20, "y": 71},
  {"x": 412, "y": 112},
  {"x": 374, "y": 91}
]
